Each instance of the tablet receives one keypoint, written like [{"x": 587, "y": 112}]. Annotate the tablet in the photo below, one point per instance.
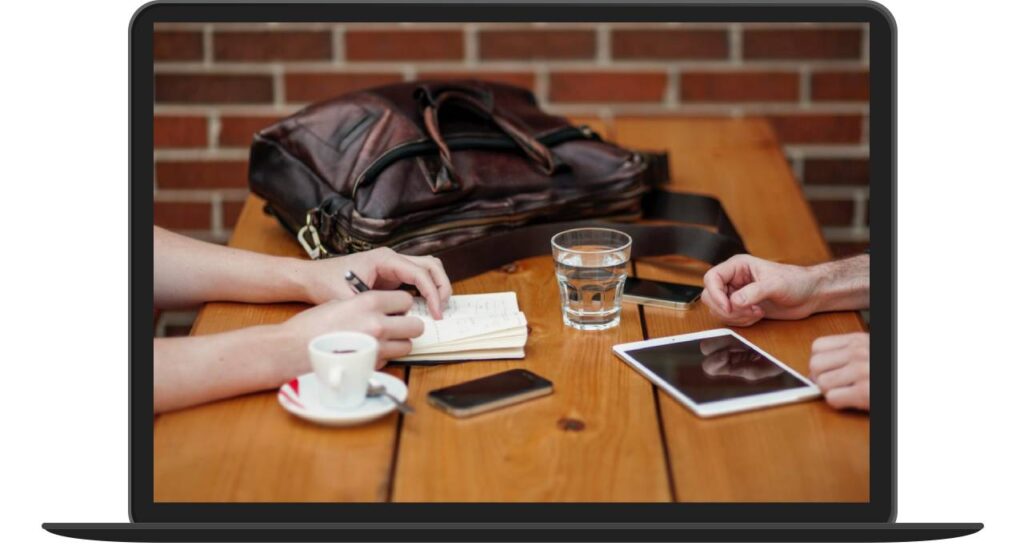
[{"x": 716, "y": 372}]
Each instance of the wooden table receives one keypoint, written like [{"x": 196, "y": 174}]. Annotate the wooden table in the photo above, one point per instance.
[{"x": 605, "y": 435}]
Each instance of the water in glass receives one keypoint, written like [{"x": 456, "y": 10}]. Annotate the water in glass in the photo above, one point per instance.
[{"x": 590, "y": 281}]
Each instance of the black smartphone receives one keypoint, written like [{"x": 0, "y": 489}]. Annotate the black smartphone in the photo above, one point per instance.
[
  {"x": 660, "y": 293},
  {"x": 490, "y": 393}
]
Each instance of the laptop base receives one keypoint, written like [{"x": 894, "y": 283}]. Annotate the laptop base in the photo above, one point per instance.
[{"x": 513, "y": 532}]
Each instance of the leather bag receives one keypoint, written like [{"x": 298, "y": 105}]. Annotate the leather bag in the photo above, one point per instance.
[{"x": 473, "y": 172}]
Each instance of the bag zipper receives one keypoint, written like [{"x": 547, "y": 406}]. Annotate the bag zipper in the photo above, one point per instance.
[
  {"x": 422, "y": 147},
  {"x": 358, "y": 245},
  {"x": 353, "y": 244}
]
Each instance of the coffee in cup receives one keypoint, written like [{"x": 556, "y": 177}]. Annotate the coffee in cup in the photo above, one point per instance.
[{"x": 343, "y": 363}]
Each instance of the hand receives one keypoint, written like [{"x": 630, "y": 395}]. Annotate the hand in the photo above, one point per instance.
[
  {"x": 366, "y": 313},
  {"x": 381, "y": 268},
  {"x": 725, "y": 356},
  {"x": 744, "y": 289},
  {"x": 840, "y": 367}
]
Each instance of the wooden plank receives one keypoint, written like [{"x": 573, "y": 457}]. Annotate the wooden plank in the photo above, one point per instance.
[
  {"x": 248, "y": 449},
  {"x": 804, "y": 452},
  {"x": 531, "y": 452}
]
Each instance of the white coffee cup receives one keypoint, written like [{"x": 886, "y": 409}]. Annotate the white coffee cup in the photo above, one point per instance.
[{"x": 343, "y": 363}]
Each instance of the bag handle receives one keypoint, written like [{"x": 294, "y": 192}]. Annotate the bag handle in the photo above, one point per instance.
[{"x": 481, "y": 104}]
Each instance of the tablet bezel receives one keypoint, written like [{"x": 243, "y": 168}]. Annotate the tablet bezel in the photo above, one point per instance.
[{"x": 809, "y": 391}]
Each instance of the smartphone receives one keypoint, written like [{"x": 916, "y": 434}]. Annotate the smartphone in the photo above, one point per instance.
[
  {"x": 490, "y": 393},
  {"x": 660, "y": 293}
]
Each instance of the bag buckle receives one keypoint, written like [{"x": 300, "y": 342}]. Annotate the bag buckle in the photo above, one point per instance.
[{"x": 315, "y": 250}]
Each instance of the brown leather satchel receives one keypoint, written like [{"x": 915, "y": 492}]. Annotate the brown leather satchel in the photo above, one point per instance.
[{"x": 470, "y": 171}]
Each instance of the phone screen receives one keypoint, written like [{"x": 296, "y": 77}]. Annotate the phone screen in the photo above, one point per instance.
[
  {"x": 715, "y": 368},
  {"x": 490, "y": 389},
  {"x": 659, "y": 290}
]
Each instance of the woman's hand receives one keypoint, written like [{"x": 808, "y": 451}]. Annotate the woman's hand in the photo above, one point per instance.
[
  {"x": 382, "y": 269},
  {"x": 368, "y": 313}
]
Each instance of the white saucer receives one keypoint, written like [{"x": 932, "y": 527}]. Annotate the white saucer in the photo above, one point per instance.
[{"x": 301, "y": 397}]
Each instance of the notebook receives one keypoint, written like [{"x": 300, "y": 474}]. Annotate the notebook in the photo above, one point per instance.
[{"x": 473, "y": 327}]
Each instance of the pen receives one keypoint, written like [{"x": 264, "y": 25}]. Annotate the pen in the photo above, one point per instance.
[{"x": 356, "y": 282}]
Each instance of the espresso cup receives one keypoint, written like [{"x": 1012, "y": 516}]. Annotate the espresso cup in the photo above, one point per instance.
[{"x": 343, "y": 363}]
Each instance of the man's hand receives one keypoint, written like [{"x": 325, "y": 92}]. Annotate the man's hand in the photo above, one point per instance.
[
  {"x": 367, "y": 313},
  {"x": 744, "y": 289},
  {"x": 840, "y": 367},
  {"x": 381, "y": 268}
]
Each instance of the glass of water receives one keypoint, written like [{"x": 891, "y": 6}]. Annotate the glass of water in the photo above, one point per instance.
[{"x": 590, "y": 264}]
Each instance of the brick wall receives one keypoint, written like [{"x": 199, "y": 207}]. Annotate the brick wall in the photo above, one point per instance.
[{"x": 218, "y": 84}]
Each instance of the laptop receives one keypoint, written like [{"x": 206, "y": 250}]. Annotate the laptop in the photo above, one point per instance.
[{"x": 204, "y": 78}]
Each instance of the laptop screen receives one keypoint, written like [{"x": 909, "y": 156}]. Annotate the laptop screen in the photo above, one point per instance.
[{"x": 354, "y": 209}]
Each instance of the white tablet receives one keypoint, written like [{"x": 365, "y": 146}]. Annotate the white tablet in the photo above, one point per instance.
[{"x": 716, "y": 372}]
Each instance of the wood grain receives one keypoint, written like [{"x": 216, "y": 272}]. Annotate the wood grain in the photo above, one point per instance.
[
  {"x": 248, "y": 449},
  {"x": 804, "y": 452},
  {"x": 597, "y": 438}
]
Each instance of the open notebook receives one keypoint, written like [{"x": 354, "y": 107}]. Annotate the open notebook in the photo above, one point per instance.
[{"x": 474, "y": 327}]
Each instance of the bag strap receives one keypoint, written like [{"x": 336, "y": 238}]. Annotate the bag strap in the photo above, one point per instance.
[{"x": 479, "y": 256}]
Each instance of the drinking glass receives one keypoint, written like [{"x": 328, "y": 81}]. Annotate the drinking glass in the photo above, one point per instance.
[{"x": 590, "y": 265}]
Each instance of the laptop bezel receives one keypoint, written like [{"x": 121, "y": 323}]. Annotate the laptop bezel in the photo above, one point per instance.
[{"x": 881, "y": 506}]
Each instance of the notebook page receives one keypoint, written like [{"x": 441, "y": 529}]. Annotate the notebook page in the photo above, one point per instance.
[
  {"x": 453, "y": 329},
  {"x": 499, "y": 339},
  {"x": 488, "y": 354},
  {"x": 470, "y": 305}
]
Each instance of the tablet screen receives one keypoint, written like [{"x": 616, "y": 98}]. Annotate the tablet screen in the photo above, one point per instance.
[{"x": 715, "y": 368}]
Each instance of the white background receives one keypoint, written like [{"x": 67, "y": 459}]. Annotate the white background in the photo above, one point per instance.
[{"x": 63, "y": 189}]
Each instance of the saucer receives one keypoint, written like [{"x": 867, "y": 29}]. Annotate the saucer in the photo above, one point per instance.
[{"x": 301, "y": 397}]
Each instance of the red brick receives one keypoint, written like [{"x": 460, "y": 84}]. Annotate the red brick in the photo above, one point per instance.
[
  {"x": 840, "y": 85},
  {"x": 238, "y": 130},
  {"x": 607, "y": 87},
  {"x": 172, "y": 131},
  {"x": 403, "y": 45},
  {"x": 847, "y": 249},
  {"x": 202, "y": 174},
  {"x": 732, "y": 86},
  {"x": 230, "y": 212},
  {"x": 669, "y": 44},
  {"x": 537, "y": 44},
  {"x": 312, "y": 87},
  {"x": 837, "y": 171},
  {"x": 833, "y": 212},
  {"x": 519, "y": 79},
  {"x": 815, "y": 128},
  {"x": 272, "y": 45},
  {"x": 182, "y": 215},
  {"x": 177, "y": 46},
  {"x": 181, "y": 88},
  {"x": 816, "y": 44}
]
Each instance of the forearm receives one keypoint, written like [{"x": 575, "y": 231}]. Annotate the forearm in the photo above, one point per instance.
[
  {"x": 843, "y": 284},
  {"x": 193, "y": 370},
  {"x": 187, "y": 272}
]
